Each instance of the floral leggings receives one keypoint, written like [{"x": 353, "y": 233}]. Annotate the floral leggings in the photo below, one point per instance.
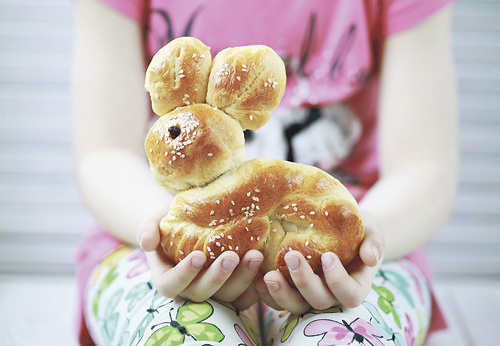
[{"x": 123, "y": 308}]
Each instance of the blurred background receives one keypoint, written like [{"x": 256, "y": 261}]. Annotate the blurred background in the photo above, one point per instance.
[{"x": 42, "y": 217}]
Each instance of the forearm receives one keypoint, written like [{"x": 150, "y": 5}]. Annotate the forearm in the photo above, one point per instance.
[
  {"x": 120, "y": 192},
  {"x": 411, "y": 205},
  {"x": 418, "y": 147}
]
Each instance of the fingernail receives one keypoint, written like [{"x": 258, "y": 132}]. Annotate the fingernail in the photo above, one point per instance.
[
  {"x": 327, "y": 260},
  {"x": 197, "y": 261},
  {"x": 292, "y": 262},
  {"x": 272, "y": 286},
  {"x": 261, "y": 287},
  {"x": 376, "y": 251},
  {"x": 254, "y": 265},
  {"x": 229, "y": 264},
  {"x": 141, "y": 238}
]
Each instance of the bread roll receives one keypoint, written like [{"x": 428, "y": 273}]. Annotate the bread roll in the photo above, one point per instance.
[{"x": 224, "y": 203}]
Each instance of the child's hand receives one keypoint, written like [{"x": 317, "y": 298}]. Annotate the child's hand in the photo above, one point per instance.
[
  {"x": 228, "y": 279},
  {"x": 340, "y": 286}
]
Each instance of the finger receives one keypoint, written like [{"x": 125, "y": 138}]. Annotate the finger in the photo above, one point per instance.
[
  {"x": 310, "y": 285},
  {"x": 241, "y": 278},
  {"x": 284, "y": 295},
  {"x": 210, "y": 281},
  {"x": 264, "y": 295},
  {"x": 171, "y": 280},
  {"x": 350, "y": 290},
  {"x": 247, "y": 299}
]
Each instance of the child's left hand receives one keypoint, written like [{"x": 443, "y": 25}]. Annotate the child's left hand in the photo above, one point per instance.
[{"x": 347, "y": 286}]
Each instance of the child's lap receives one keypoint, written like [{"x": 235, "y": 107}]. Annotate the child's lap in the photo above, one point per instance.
[{"x": 122, "y": 308}]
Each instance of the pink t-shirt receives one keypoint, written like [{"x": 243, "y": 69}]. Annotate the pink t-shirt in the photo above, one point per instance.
[{"x": 332, "y": 52}]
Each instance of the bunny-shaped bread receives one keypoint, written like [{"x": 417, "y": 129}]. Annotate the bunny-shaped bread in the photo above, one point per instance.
[{"x": 224, "y": 203}]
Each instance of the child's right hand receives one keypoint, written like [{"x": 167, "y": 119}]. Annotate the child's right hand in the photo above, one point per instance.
[{"x": 228, "y": 279}]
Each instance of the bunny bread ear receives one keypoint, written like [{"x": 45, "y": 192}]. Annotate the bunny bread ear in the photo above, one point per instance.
[
  {"x": 247, "y": 83},
  {"x": 178, "y": 74}
]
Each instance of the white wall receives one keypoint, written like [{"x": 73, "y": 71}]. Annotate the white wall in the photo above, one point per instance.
[{"x": 41, "y": 214}]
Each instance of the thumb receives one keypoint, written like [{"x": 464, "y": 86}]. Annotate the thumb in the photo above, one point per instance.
[
  {"x": 372, "y": 247},
  {"x": 148, "y": 235}
]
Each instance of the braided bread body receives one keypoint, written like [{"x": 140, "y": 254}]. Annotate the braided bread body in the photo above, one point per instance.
[{"x": 269, "y": 205}]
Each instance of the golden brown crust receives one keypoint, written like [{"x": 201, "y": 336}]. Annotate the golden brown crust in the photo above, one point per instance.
[
  {"x": 270, "y": 205},
  {"x": 178, "y": 75},
  {"x": 197, "y": 150},
  {"x": 247, "y": 83},
  {"x": 208, "y": 144}
]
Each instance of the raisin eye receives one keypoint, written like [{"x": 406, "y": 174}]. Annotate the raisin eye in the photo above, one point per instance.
[{"x": 174, "y": 131}]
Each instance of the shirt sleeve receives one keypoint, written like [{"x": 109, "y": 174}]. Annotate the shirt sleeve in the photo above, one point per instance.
[
  {"x": 400, "y": 15},
  {"x": 133, "y": 9}
]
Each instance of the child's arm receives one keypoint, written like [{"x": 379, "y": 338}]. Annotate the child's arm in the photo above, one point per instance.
[
  {"x": 418, "y": 144},
  {"x": 110, "y": 120},
  {"x": 418, "y": 162}
]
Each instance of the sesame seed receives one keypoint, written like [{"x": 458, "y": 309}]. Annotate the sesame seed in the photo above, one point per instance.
[
  {"x": 294, "y": 204},
  {"x": 181, "y": 76},
  {"x": 289, "y": 249},
  {"x": 232, "y": 202},
  {"x": 181, "y": 252},
  {"x": 209, "y": 154},
  {"x": 238, "y": 78},
  {"x": 171, "y": 243},
  {"x": 229, "y": 237},
  {"x": 258, "y": 238},
  {"x": 307, "y": 243},
  {"x": 209, "y": 249},
  {"x": 217, "y": 201},
  {"x": 181, "y": 71},
  {"x": 236, "y": 248},
  {"x": 286, "y": 207},
  {"x": 311, "y": 225},
  {"x": 309, "y": 256},
  {"x": 312, "y": 213},
  {"x": 212, "y": 212},
  {"x": 302, "y": 217},
  {"x": 222, "y": 249},
  {"x": 274, "y": 230},
  {"x": 230, "y": 247},
  {"x": 251, "y": 238},
  {"x": 244, "y": 66},
  {"x": 248, "y": 194},
  {"x": 326, "y": 213},
  {"x": 217, "y": 243}
]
